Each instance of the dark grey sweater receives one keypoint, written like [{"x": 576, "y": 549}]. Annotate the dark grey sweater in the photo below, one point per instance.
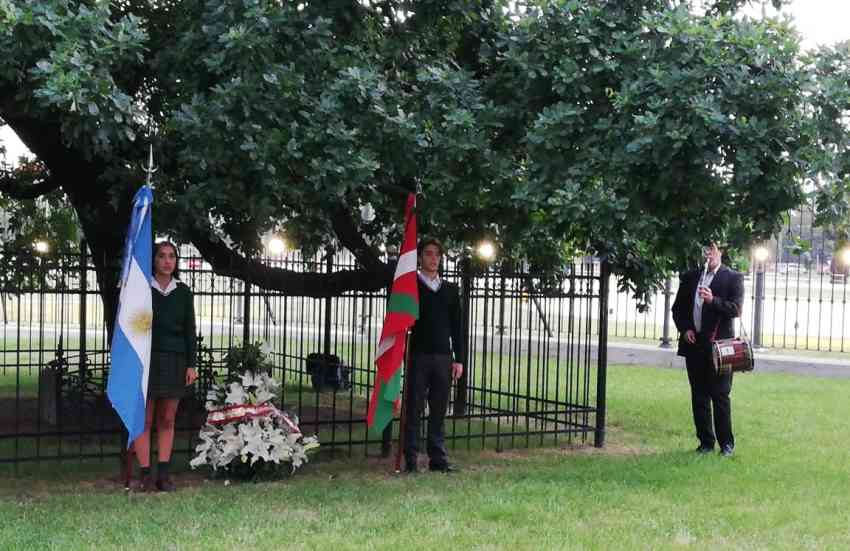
[{"x": 438, "y": 330}]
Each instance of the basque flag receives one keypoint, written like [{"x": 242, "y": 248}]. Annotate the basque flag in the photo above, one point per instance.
[
  {"x": 402, "y": 313},
  {"x": 127, "y": 387}
]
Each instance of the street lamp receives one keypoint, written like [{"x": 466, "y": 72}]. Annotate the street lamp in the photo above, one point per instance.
[
  {"x": 41, "y": 247},
  {"x": 486, "y": 250},
  {"x": 276, "y": 246},
  {"x": 761, "y": 255}
]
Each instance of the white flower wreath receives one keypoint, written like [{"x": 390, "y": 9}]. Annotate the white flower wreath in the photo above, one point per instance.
[{"x": 243, "y": 423}]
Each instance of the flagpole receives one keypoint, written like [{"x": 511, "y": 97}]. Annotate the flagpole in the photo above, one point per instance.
[
  {"x": 127, "y": 453},
  {"x": 405, "y": 393},
  {"x": 149, "y": 171},
  {"x": 128, "y": 464}
]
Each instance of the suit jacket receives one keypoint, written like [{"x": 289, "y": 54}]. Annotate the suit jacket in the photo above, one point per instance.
[{"x": 728, "y": 290}]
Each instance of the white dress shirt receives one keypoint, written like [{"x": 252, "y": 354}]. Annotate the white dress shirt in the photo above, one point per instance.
[
  {"x": 433, "y": 284},
  {"x": 704, "y": 281},
  {"x": 164, "y": 292}
]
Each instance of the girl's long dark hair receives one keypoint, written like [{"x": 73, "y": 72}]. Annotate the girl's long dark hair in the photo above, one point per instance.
[{"x": 160, "y": 244}]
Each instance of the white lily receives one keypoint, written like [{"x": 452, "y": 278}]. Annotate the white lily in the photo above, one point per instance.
[
  {"x": 247, "y": 379},
  {"x": 236, "y": 394}
]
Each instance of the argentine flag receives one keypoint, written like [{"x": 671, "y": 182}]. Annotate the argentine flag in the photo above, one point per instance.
[{"x": 127, "y": 387}]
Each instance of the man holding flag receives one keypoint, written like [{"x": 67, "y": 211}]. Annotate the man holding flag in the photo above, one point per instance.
[
  {"x": 435, "y": 338},
  {"x": 436, "y": 350}
]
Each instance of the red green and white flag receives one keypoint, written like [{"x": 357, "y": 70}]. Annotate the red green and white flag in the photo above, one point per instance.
[{"x": 402, "y": 313}]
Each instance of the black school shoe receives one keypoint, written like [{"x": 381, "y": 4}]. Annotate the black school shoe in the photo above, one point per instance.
[
  {"x": 165, "y": 485},
  {"x": 146, "y": 484}
]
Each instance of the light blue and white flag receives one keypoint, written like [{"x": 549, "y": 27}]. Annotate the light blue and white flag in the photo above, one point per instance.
[{"x": 131, "y": 339}]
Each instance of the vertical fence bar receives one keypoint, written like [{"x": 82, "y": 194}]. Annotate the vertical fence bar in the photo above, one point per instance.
[
  {"x": 84, "y": 287},
  {"x": 466, "y": 302},
  {"x": 246, "y": 312},
  {"x": 602, "y": 356}
]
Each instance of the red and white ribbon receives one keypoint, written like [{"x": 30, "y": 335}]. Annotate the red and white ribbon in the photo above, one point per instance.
[{"x": 242, "y": 412}]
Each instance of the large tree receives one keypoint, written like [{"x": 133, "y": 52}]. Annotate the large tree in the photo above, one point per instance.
[{"x": 631, "y": 129}]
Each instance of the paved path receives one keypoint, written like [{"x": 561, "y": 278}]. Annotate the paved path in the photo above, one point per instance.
[{"x": 649, "y": 354}]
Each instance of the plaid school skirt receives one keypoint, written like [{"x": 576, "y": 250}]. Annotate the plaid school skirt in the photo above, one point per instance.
[{"x": 167, "y": 378}]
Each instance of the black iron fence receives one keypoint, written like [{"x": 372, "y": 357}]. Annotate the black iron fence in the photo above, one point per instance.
[{"x": 535, "y": 374}]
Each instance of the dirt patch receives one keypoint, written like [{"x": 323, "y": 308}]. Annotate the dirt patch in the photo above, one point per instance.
[
  {"x": 320, "y": 419},
  {"x": 614, "y": 447}
]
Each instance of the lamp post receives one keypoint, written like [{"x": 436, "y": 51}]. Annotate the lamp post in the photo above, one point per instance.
[
  {"x": 486, "y": 251},
  {"x": 760, "y": 254},
  {"x": 666, "y": 341}
]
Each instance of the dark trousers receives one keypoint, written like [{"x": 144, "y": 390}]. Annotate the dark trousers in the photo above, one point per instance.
[
  {"x": 430, "y": 378},
  {"x": 710, "y": 389}
]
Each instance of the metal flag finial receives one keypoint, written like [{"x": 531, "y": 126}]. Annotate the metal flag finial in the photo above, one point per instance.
[{"x": 150, "y": 169}]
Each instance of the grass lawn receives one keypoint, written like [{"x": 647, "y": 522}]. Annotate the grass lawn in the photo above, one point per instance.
[{"x": 788, "y": 487}]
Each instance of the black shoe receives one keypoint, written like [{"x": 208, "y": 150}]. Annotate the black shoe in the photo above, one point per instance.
[
  {"x": 704, "y": 449},
  {"x": 727, "y": 451},
  {"x": 165, "y": 485},
  {"x": 445, "y": 468},
  {"x": 146, "y": 484},
  {"x": 410, "y": 467}
]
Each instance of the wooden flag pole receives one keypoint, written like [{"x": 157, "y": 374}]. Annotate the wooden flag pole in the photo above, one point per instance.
[
  {"x": 405, "y": 393},
  {"x": 128, "y": 465}
]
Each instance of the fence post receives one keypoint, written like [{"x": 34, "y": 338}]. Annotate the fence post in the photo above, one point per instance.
[
  {"x": 466, "y": 302},
  {"x": 329, "y": 266},
  {"x": 666, "y": 341},
  {"x": 246, "y": 312},
  {"x": 84, "y": 287},
  {"x": 602, "y": 354},
  {"x": 758, "y": 308}
]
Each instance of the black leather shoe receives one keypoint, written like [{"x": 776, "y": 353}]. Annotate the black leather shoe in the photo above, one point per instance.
[
  {"x": 727, "y": 450},
  {"x": 410, "y": 467},
  {"x": 165, "y": 485},
  {"x": 704, "y": 449},
  {"x": 146, "y": 484},
  {"x": 446, "y": 468}
]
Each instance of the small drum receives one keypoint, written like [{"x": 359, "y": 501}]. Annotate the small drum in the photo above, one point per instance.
[{"x": 732, "y": 355}]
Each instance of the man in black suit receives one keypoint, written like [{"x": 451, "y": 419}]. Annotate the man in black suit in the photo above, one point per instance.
[
  {"x": 436, "y": 352},
  {"x": 706, "y": 305}
]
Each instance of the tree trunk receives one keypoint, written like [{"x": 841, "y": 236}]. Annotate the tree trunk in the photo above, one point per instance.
[{"x": 104, "y": 229}]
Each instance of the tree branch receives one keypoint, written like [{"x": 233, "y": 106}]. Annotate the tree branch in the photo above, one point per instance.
[
  {"x": 14, "y": 188},
  {"x": 228, "y": 262},
  {"x": 350, "y": 237}
]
